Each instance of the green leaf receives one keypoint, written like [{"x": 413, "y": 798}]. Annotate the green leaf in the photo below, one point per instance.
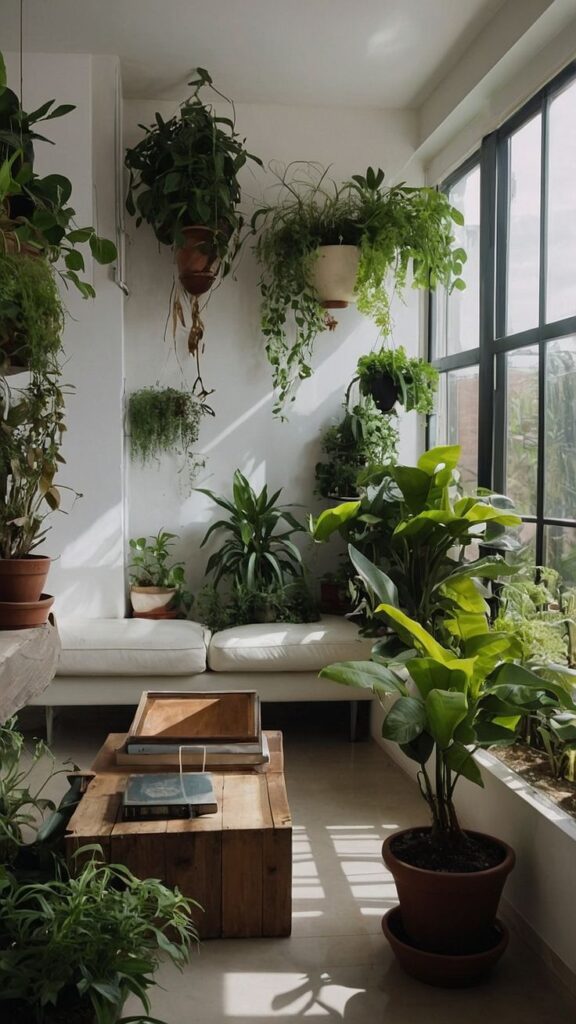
[
  {"x": 461, "y": 761},
  {"x": 442, "y": 456},
  {"x": 376, "y": 581},
  {"x": 445, "y": 710},
  {"x": 367, "y": 675},
  {"x": 422, "y": 639},
  {"x": 405, "y": 720},
  {"x": 419, "y": 749},
  {"x": 414, "y": 484},
  {"x": 102, "y": 249},
  {"x": 74, "y": 260},
  {"x": 2, "y": 73},
  {"x": 333, "y": 519}
]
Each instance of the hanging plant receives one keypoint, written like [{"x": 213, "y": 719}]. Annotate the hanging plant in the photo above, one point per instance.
[
  {"x": 370, "y": 235},
  {"x": 391, "y": 376},
  {"x": 184, "y": 183},
  {"x": 164, "y": 421},
  {"x": 362, "y": 438}
]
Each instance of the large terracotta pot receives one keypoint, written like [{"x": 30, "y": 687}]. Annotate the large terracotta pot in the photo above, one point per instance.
[
  {"x": 448, "y": 912},
  {"x": 445, "y": 970},
  {"x": 334, "y": 275},
  {"x": 151, "y": 600},
  {"x": 25, "y": 614},
  {"x": 23, "y": 579},
  {"x": 197, "y": 260}
]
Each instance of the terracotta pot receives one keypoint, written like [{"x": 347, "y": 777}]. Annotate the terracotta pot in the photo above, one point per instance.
[
  {"x": 197, "y": 260},
  {"x": 25, "y": 614},
  {"x": 444, "y": 911},
  {"x": 150, "y": 600},
  {"x": 334, "y": 275},
  {"x": 23, "y": 579},
  {"x": 385, "y": 392},
  {"x": 445, "y": 970}
]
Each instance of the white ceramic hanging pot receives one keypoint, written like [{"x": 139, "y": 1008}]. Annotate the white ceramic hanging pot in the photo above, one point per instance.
[{"x": 334, "y": 275}]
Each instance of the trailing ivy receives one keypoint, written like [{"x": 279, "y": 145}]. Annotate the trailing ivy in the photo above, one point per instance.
[
  {"x": 363, "y": 437},
  {"x": 164, "y": 421}
]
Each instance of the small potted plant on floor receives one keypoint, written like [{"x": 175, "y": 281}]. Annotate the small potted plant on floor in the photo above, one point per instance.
[
  {"x": 157, "y": 588},
  {"x": 363, "y": 437},
  {"x": 373, "y": 235},
  {"x": 390, "y": 376},
  {"x": 448, "y": 706}
]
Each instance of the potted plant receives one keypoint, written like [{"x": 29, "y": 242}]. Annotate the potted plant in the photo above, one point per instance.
[
  {"x": 449, "y": 704},
  {"x": 257, "y": 557},
  {"x": 379, "y": 233},
  {"x": 73, "y": 949},
  {"x": 390, "y": 376},
  {"x": 363, "y": 437},
  {"x": 184, "y": 183},
  {"x": 157, "y": 588},
  {"x": 163, "y": 420}
]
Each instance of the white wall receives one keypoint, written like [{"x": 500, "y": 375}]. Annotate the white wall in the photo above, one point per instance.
[
  {"x": 243, "y": 433},
  {"x": 87, "y": 577}
]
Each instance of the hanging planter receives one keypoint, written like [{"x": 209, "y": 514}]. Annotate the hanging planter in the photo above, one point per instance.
[
  {"x": 390, "y": 376},
  {"x": 165, "y": 421},
  {"x": 184, "y": 183},
  {"x": 334, "y": 273}
]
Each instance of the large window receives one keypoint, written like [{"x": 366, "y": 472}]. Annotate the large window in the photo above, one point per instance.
[{"x": 506, "y": 347}]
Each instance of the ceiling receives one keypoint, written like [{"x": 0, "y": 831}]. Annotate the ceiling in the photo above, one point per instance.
[{"x": 374, "y": 53}]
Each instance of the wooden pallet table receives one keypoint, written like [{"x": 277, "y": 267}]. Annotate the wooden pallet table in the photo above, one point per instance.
[{"x": 237, "y": 863}]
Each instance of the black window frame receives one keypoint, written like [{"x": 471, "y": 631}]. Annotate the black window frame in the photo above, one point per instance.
[{"x": 494, "y": 343}]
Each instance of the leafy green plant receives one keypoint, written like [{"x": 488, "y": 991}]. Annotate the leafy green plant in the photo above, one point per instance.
[
  {"x": 150, "y": 565},
  {"x": 31, "y": 314},
  {"x": 363, "y": 437},
  {"x": 524, "y": 612},
  {"x": 22, "y": 804},
  {"x": 397, "y": 230},
  {"x": 31, "y": 425},
  {"x": 257, "y": 551},
  {"x": 450, "y": 706},
  {"x": 34, "y": 211},
  {"x": 164, "y": 420},
  {"x": 410, "y": 530},
  {"x": 414, "y": 380},
  {"x": 289, "y": 602},
  {"x": 184, "y": 172},
  {"x": 87, "y": 941}
]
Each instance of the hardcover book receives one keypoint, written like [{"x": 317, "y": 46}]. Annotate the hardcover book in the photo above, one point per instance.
[{"x": 165, "y": 796}]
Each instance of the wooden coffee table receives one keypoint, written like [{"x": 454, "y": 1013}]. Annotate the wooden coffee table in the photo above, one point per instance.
[{"x": 237, "y": 863}]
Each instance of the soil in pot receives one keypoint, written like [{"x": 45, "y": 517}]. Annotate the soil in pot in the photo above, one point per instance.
[
  {"x": 449, "y": 909},
  {"x": 25, "y": 614},
  {"x": 440, "y": 969},
  {"x": 384, "y": 392},
  {"x": 23, "y": 579},
  {"x": 197, "y": 260}
]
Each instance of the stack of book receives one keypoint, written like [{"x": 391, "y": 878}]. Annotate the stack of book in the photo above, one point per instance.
[
  {"x": 168, "y": 796},
  {"x": 196, "y": 730}
]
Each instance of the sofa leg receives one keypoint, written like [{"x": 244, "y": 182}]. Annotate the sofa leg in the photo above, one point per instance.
[
  {"x": 49, "y": 725},
  {"x": 354, "y": 721},
  {"x": 359, "y": 720}
]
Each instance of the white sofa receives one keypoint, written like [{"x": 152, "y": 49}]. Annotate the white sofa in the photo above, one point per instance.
[{"x": 110, "y": 661}]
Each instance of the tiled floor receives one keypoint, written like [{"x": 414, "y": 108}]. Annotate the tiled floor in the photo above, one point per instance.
[{"x": 336, "y": 966}]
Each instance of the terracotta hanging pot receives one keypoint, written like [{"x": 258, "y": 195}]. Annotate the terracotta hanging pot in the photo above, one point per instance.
[
  {"x": 334, "y": 275},
  {"x": 450, "y": 912},
  {"x": 197, "y": 260},
  {"x": 25, "y": 614},
  {"x": 23, "y": 579}
]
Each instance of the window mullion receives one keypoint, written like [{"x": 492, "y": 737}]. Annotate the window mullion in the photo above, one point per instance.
[
  {"x": 540, "y": 496},
  {"x": 487, "y": 278}
]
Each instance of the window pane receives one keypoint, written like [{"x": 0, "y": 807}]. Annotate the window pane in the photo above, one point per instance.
[
  {"x": 458, "y": 315},
  {"x": 561, "y": 294},
  {"x": 560, "y": 435},
  {"x": 521, "y": 473},
  {"x": 523, "y": 261},
  {"x": 458, "y": 419},
  {"x": 560, "y": 551}
]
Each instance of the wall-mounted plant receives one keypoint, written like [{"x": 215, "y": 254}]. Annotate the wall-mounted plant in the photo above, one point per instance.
[
  {"x": 363, "y": 437},
  {"x": 184, "y": 183},
  {"x": 164, "y": 421},
  {"x": 323, "y": 245},
  {"x": 390, "y": 376}
]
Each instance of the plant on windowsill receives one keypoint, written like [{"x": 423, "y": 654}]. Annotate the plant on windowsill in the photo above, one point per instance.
[
  {"x": 390, "y": 376},
  {"x": 257, "y": 559},
  {"x": 363, "y": 437},
  {"x": 184, "y": 183},
  {"x": 157, "y": 588},
  {"x": 375, "y": 235},
  {"x": 165, "y": 420}
]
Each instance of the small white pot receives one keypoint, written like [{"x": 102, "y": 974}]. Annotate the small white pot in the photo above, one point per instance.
[
  {"x": 151, "y": 599},
  {"x": 334, "y": 275}
]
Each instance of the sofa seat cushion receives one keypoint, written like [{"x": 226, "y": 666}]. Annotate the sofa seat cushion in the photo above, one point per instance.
[
  {"x": 287, "y": 647},
  {"x": 131, "y": 647}
]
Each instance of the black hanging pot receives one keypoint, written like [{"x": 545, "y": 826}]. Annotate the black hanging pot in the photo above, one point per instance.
[{"x": 384, "y": 391}]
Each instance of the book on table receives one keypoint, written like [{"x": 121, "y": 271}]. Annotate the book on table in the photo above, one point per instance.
[{"x": 167, "y": 796}]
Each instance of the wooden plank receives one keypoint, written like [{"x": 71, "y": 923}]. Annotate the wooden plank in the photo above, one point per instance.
[
  {"x": 242, "y": 889},
  {"x": 105, "y": 761},
  {"x": 277, "y": 882},
  {"x": 278, "y": 801},
  {"x": 194, "y": 864},
  {"x": 246, "y": 805},
  {"x": 143, "y": 853}
]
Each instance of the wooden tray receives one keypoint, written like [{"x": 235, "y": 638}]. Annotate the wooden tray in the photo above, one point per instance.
[{"x": 211, "y": 716}]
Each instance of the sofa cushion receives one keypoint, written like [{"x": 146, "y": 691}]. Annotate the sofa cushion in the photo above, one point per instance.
[
  {"x": 287, "y": 647},
  {"x": 131, "y": 647}
]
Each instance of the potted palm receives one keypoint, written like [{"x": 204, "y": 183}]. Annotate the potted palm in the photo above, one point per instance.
[
  {"x": 375, "y": 234},
  {"x": 157, "y": 588},
  {"x": 390, "y": 376}
]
